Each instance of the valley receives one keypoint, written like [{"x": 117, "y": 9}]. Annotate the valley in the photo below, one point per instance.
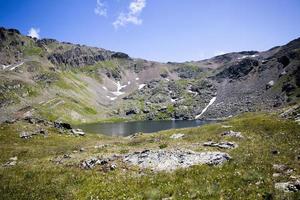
[{"x": 80, "y": 122}]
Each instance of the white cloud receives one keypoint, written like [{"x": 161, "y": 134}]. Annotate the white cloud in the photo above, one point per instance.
[
  {"x": 34, "y": 32},
  {"x": 135, "y": 9},
  {"x": 100, "y": 9}
]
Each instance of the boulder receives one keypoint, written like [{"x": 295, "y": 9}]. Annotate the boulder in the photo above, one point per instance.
[
  {"x": 78, "y": 132},
  {"x": 25, "y": 135},
  {"x": 167, "y": 160},
  {"x": 62, "y": 125},
  {"x": 288, "y": 186}
]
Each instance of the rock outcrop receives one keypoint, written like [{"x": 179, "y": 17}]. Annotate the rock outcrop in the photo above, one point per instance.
[{"x": 166, "y": 160}]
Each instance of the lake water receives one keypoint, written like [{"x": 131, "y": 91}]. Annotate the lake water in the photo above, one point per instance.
[{"x": 129, "y": 128}]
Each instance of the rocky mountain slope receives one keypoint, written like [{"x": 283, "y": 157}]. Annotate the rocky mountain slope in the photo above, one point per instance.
[{"x": 76, "y": 83}]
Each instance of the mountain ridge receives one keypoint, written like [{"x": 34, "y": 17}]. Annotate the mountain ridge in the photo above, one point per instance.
[{"x": 80, "y": 84}]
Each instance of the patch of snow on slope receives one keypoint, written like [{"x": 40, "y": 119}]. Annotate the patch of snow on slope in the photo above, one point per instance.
[
  {"x": 104, "y": 88},
  {"x": 119, "y": 88},
  {"x": 18, "y": 65},
  {"x": 137, "y": 78},
  {"x": 111, "y": 98},
  {"x": 5, "y": 66},
  {"x": 192, "y": 92},
  {"x": 252, "y": 56},
  {"x": 173, "y": 100},
  {"x": 141, "y": 86},
  {"x": 204, "y": 110}
]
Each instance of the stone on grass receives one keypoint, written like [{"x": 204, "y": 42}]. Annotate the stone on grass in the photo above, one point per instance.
[
  {"x": 288, "y": 186},
  {"x": 167, "y": 160},
  {"x": 222, "y": 145},
  {"x": 177, "y": 136},
  {"x": 11, "y": 162},
  {"x": 82, "y": 149},
  {"x": 113, "y": 166},
  {"x": 25, "y": 135},
  {"x": 78, "y": 132},
  {"x": 232, "y": 134}
]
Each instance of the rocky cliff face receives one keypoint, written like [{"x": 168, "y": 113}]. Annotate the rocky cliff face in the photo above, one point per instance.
[{"x": 83, "y": 84}]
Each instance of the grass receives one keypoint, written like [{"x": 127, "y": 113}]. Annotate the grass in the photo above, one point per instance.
[{"x": 247, "y": 176}]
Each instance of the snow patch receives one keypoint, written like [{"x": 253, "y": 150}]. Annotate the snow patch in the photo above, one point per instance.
[
  {"x": 111, "y": 98},
  {"x": 141, "y": 86},
  {"x": 5, "y": 66},
  {"x": 192, "y": 92},
  {"x": 137, "y": 78},
  {"x": 248, "y": 56},
  {"x": 119, "y": 88},
  {"x": 18, "y": 65},
  {"x": 104, "y": 88},
  {"x": 204, "y": 110}
]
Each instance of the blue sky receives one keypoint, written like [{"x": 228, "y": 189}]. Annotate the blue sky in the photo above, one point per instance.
[{"x": 162, "y": 30}]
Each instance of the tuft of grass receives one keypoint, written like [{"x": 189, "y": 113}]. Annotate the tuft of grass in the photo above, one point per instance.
[{"x": 163, "y": 146}]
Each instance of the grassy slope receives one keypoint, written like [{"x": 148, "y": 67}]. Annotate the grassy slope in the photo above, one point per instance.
[{"x": 247, "y": 176}]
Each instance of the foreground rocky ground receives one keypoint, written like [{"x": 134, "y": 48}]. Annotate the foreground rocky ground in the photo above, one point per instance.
[{"x": 252, "y": 156}]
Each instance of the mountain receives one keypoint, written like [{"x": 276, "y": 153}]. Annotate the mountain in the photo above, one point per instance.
[{"x": 79, "y": 84}]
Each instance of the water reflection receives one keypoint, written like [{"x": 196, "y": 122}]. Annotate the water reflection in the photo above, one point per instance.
[{"x": 128, "y": 128}]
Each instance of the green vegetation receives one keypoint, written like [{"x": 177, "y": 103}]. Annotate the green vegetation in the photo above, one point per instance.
[
  {"x": 31, "y": 49},
  {"x": 247, "y": 176}
]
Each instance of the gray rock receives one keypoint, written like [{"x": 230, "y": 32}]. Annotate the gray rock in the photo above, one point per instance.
[
  {"x": 172, "y": 159},
  {"x": 89, "y": 164},
  {"x": 232, "y": 134},
  {"x": 93, "y": 162},
  {"x": 113, "y": 166},
  {"x": 42, "y": 131},
  {"x": 270, "y": 84},
  {"x": 288, "y": 186},
  {"x": 280, "y": 167},
  {"x": 25, "y": 135},
  {"x": 11, "y": 162},
  {"x": 222, "y": 145},
  {"x": 78, "y": 132},
  {"x": 62, "y": 125},
  {"x": 81, "y": 149}
]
